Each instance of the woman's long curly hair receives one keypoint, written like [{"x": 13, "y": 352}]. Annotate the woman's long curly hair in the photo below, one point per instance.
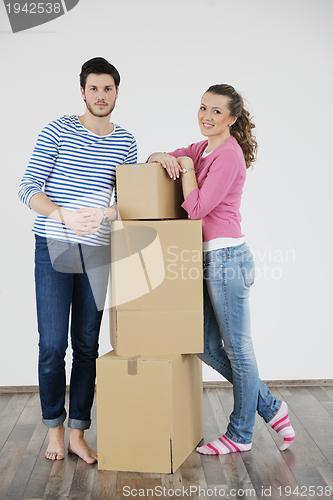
[{"x": 241, "y": 130}]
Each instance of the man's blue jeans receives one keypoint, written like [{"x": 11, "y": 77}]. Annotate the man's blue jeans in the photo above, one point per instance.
[
  {"x": 228, "y": 276},
  {"x": 63, "y": 292}
]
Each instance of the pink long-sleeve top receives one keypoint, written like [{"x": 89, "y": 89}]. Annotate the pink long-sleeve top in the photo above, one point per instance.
[{"x": 220, "y": 177}]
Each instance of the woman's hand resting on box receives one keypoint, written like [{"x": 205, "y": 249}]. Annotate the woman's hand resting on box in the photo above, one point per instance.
[{"x": 169, "y": 162}]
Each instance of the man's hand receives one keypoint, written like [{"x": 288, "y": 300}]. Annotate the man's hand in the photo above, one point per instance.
[{"x": 84, "y": 221}]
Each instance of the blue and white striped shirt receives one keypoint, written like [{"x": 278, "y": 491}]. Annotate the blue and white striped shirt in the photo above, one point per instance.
[{"x": 77, "y": 169}]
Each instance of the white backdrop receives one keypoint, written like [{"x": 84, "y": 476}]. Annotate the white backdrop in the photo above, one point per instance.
[{"x": 278, "y": 54}]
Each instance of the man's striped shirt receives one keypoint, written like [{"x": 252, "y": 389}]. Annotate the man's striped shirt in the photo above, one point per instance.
[{"x": 76, "y": 169}]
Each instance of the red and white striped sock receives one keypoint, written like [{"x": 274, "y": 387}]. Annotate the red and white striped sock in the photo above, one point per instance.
[
  {"x": 222, "y": 446},
  {"x": 281, "y": 424}
]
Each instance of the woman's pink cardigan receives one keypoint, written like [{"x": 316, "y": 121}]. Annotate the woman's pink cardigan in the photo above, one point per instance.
[{"x": 220, "y": 176}]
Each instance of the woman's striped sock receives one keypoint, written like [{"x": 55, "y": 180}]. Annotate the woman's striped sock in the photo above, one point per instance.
[
  {"x": 222, "y": 446},
  {"x": 281, "y": 424}
]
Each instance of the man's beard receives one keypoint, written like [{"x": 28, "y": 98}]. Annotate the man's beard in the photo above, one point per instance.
[{"x": 102, "y": 113}]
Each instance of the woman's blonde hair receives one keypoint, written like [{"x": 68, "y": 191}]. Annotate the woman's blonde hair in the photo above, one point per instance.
[{"x": 242, "y": 128}]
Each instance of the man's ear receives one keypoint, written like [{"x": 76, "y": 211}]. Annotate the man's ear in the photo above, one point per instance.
[{"x": 83, "y": 94}]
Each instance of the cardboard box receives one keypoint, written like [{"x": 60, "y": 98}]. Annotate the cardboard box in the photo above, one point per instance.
[
  {"x": 145, "y": 191},
  {"x": 149, "y": 412},
  {"x": 156, "y": 287}
]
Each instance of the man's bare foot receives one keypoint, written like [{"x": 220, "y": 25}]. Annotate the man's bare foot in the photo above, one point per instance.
[
  {"x": 56, "y": 447},
  {"x": 79, "y": 447}
]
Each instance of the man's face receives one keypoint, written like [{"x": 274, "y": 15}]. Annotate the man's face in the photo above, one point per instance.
[{"x": 100, "y": 94}]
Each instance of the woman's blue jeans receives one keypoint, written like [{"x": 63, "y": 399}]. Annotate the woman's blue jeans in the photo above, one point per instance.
[
  {"x": 228, "y": 276},
  {"x": 66, "y": 276}
]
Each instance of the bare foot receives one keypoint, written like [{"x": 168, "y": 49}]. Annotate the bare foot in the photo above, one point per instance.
[
  {"x": 56, "y": 447},
  {"x": 79, "y": 447}
]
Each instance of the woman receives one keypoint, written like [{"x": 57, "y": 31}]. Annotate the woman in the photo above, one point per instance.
[{"x": 213, "y": 174}]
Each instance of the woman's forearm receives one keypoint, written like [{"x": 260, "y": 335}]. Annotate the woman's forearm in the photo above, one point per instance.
[
  {"x": 154, "y": 157},
  {"x": 173, "y": 165},
  {"x": 189, "y": 181}
]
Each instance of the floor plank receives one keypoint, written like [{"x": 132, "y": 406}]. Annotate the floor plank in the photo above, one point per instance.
[
  {"x": 36, "y": 442},
  {"x": 61, "y": 478},
  {"x": 39, "y": 478},
  {"x": 18, "y": 484},
  {"x": 10, "y": 415},
  {"x": 4, "y": 400},
  {"x": 172, "y": 484},
  {"x": 10, "y": 458},
  {"x": 193, "y": 476},
  {"x": 31, "y": 412},
  {"x": 137, "y": 486},
  {"x": 327, "y": 474},
  {"x": 315, "y": 419},
  {"x": 104, "y": 485},
  {"x": 266, "y": 465},
  {"x": 311, "y": 483},
  {"x": 324, "y": 396},
  {"x": 83, "y": 480},
  {"x": 304, "y": 451},
  {"x": 215, "y": 425}
]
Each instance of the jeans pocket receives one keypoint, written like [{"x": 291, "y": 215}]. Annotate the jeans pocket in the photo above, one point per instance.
[
  {"x": 42, "y": 243},
  {"x": 213, "y": 271},
  {"x": 248, "y": 271}
]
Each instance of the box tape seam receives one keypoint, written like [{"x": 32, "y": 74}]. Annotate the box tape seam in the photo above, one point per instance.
[{"x": 132, "y": 366}]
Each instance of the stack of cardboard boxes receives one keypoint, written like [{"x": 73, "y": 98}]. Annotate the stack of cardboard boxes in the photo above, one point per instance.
[{"x": 149, "y": 388}]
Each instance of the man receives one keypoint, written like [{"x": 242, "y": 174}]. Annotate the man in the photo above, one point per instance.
[{"x": 69, "y": 182}]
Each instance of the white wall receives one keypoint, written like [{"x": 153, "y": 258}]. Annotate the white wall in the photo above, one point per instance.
[{"x": 278, "y": 53}]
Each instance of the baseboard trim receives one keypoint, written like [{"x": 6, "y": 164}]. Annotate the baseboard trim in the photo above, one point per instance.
[
  {"x": 276, "y": 383},
  {"x": 18, "y": 389},
  {"x": 219, "y": 384}
]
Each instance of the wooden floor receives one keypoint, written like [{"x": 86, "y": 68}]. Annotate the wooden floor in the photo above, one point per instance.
[{"x": 305, "y": 471}]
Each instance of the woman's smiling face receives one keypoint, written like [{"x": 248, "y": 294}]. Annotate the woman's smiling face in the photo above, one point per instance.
[{"x": 214, "y": 117}]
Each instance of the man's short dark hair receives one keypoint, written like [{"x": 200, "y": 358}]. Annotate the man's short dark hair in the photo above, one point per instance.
[{"x": 98, "y": 66}]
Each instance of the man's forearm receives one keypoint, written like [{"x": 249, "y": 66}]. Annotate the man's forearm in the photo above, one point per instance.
[
  {"x": 42, "y": 204},
  {"x": 112, "y": 212},
  {"x": 83, "y": 221}
]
